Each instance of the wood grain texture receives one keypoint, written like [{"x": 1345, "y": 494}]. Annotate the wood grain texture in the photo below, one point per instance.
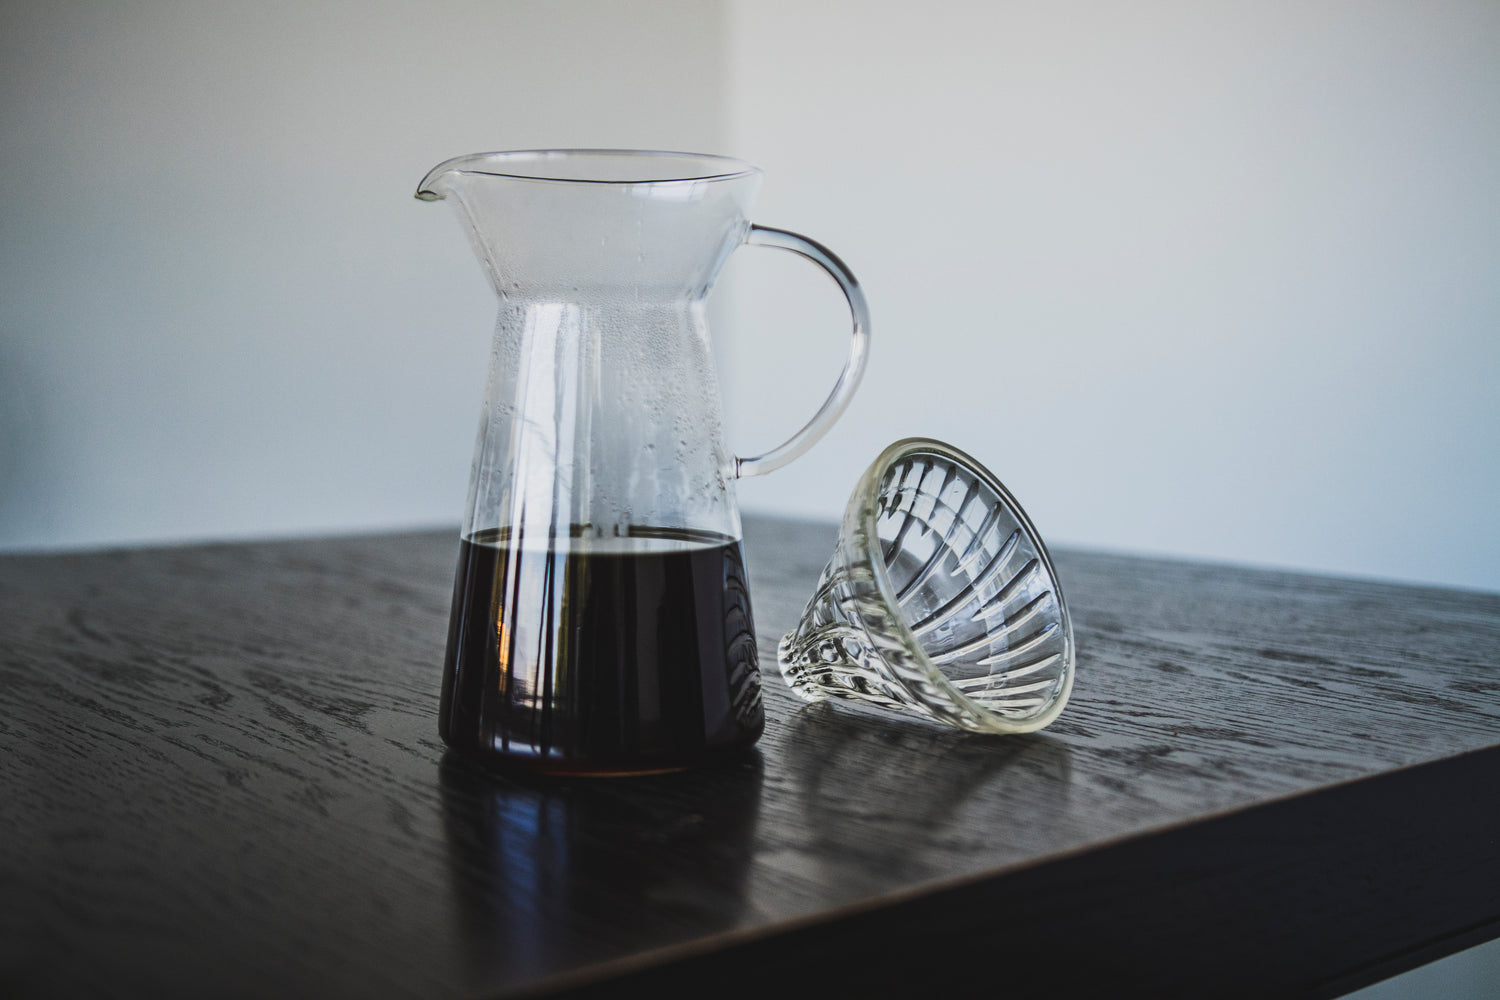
[{"x": 220, "y": 774}]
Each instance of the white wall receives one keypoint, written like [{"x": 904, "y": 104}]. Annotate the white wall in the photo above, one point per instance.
[
  {"x": 222, "y": 312},
  {"x": 1215, "y": 280},
  {"x": 1220, "y": 280}
]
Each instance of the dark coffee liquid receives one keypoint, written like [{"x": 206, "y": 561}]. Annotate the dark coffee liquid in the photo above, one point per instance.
[{"x": 601, "y": 655}]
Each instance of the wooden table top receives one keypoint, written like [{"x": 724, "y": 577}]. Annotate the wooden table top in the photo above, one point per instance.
[{"x": 220, "y": 775}]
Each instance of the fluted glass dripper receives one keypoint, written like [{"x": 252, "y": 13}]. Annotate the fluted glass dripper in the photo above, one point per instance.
[{"x": 940, "y": 599}]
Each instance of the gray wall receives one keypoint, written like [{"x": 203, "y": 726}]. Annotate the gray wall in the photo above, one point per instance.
[
  {"x": 222, "y": 312},
  {"x": 1213, "y": 280}
]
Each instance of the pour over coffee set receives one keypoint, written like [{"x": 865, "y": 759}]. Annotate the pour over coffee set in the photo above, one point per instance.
[{"x": 601, "y": 617}]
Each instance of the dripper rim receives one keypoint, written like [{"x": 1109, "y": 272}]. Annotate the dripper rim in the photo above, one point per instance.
[
  {"x": 485, "y": 164},
  {"x": 863, "y": 507}
]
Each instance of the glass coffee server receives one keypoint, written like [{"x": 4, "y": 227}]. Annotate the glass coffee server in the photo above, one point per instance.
[{"x": 601, "y": 619}]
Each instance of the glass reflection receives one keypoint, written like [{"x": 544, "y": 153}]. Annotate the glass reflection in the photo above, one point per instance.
[
  {"x": 550, "y": 874},
  {"x": 940, "y": 798}
]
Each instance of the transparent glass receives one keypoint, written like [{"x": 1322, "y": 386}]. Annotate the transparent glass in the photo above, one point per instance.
[
  {"x": 940, "y": 599},
  {"x": 601, "y": 619}
]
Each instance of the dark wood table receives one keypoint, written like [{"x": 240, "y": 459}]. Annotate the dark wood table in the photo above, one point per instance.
[{"x": 220, "y": 775}]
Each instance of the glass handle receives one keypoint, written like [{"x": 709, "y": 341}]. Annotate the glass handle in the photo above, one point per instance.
[{"x": 859, "y": 349}]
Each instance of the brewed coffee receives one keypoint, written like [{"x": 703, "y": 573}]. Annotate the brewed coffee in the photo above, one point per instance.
[{"x": 601, "y": 655}]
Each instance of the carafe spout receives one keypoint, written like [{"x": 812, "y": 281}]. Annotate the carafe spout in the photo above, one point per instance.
[{"x": 438, "y": 183}]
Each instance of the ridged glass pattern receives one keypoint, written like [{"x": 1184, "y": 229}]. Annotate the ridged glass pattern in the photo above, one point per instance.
[{"x": 940, "y": 599}]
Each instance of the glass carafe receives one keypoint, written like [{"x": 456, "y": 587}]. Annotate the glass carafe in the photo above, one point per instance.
[{"x": 601, "y": 618}]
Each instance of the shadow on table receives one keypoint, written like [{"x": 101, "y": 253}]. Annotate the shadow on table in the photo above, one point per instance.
[
  {"x": 904, "y": 793},
  {"x": 551, "y": 873}
]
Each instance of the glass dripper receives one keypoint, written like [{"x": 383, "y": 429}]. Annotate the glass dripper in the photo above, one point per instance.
[{"x": 940, "y": 599}]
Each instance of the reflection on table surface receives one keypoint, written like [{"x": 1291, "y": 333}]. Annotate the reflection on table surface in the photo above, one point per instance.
[{"x": 542, "y": 868}]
